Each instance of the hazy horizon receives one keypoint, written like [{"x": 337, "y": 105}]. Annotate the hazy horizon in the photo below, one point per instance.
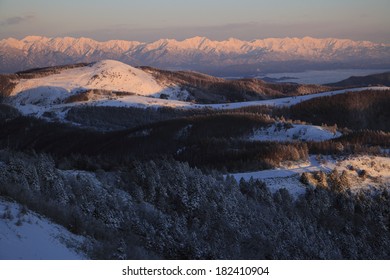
[{"x": 150, "y": 20}]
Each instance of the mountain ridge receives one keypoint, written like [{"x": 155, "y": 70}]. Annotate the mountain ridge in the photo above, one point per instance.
[
  {"x": 196, "y": 53},
  {"x": 361, "y": 81},
  {"x": 306, "y": 39}
]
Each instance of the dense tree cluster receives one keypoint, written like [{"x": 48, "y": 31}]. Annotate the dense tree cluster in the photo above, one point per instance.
[
  {"x": 204, "y": 139},
  {"x": 117, "y": 118},
  {"x": 7, "y": 84},
  {"x": 353, "y": 143},
  {"x": 356, "y": 110},
  {"x": 8, "y": 112}
]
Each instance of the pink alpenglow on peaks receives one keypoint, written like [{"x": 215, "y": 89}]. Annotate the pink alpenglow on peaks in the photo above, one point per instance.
[{"x": 197, "y": 53}]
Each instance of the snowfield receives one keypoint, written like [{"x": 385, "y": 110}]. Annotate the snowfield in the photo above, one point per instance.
[
  {"x": 25, "y": 235},
  {"x": 287, "y": 176},
  {"x": 293, "y": 132}
]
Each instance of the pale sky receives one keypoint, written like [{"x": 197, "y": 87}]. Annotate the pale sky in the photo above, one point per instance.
[{"x": 149, "y": 20}]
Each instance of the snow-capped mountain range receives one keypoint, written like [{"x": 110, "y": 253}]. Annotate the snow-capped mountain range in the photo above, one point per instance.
[{"x": 198, "y": 53}]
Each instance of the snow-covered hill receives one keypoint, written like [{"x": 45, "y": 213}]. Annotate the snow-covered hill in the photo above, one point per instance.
[
  {"x": 104, "y": 80},
  {"x": 198, "y": 53},
  {"x": 105, "y": 75},
  {"x": 25, "y": 235}
]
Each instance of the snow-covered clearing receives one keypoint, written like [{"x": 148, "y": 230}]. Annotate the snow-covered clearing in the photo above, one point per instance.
[
  {"x": 287, "y": 176},
  {"x": 377, "y": 170},
  {"x": 29, "y": 236},
  {"x": 293, "y": 132}
]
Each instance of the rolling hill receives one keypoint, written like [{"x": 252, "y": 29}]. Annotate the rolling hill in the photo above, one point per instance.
[{"x": 115, "y": 84}]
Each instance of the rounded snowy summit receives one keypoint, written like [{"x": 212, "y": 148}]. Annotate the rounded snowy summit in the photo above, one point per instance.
[{"x": 106, "y": 74}]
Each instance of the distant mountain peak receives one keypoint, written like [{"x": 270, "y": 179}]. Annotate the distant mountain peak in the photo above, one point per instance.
[
  {"x": 194, "y": 42},
  {"x": 33, "y": 38}
]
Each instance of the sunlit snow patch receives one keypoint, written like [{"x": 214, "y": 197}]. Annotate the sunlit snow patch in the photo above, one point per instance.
[{"x": 376, "y": 172}]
